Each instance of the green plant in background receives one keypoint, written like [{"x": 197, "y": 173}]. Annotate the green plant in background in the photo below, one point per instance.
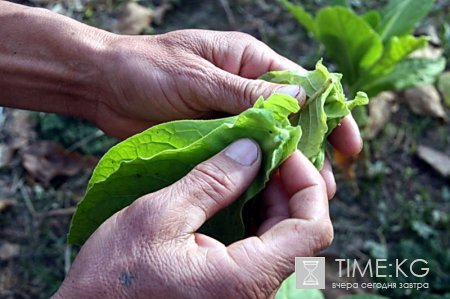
[
  {"x": 372, "y": 50},
  {"x": 163, "y": 154}
]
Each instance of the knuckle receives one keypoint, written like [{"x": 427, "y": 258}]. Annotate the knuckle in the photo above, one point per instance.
[
  {"x": 325, "y": 235},
  {"x": 214, "y": 181},
  {"x": 255, "y": 88},
  {"x": 328, "y": 233},
  {"x": 240, "y": 36},
  {"x": 319, "y": 235},
  {"x": 146, "y": 212}
]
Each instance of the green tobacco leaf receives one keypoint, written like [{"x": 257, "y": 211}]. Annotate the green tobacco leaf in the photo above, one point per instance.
[
  {"x": 163, "y": 154},
  {"x": 400, "y": 16},
  {"x": 348, "y": 39},
  {"x": 301, "y": 15},
  {"x": 325, "y": 108},
  {"x": 407, "y": 73},
  {"x": 288, "y": 290},
  {"x": 173, "y": 135},
  {"x": 397, "y": 49},
  {"x": 372, "y": 18}
]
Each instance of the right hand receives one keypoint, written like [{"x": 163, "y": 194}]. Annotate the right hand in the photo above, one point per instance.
[{"x": 151, "y": 249}]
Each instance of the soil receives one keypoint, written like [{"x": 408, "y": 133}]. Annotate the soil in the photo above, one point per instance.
[{"x": 392, "y": 188}]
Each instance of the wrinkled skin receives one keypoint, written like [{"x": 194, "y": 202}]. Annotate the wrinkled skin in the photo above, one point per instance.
[
  {"x": 151, "y": 249},
  {"x": 124, "y": 84},
  {"x": 191, "y": 74}
]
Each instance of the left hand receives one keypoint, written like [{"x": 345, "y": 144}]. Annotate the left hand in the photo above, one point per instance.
[
  {"x": 183, "y": 74},
  {"x": 191, "y": 74}
]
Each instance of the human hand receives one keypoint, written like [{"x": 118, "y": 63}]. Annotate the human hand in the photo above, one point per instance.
[
  {"x": 151, "y": 249},
  {"x": 192, "y": 74},
  {"x": 184, "y": 74},
  {"x": 125, "y": 84}
]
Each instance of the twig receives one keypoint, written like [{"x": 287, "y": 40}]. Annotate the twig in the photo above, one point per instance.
[
  {"x": 228, "y": 12},
  {"x": 294, "y": 118},
  {"x": 60, "y": 212},
  {"x": 26, "y": 199},
  {"x": 85, "y": 140},
  {"x": 319, "y": 92}
]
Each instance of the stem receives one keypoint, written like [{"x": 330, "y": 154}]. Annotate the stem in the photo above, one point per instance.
[
  {"x": 319, "y": 92},
  {"x": 294, "y": 118}
]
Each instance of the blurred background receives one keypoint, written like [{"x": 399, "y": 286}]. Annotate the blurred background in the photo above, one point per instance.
[{"x": 392, "y": 202}]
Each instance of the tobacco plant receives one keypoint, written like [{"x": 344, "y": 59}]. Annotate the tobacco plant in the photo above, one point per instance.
[{"x": 373, "y": 50}]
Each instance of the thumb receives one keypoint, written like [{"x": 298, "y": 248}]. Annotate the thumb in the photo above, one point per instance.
[
  {"x": 234, "y": 94},
  {"x": 216, "y": 183}
]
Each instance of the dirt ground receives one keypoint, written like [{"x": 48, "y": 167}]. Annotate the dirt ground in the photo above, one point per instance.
[{"x": 396, "y": 206}]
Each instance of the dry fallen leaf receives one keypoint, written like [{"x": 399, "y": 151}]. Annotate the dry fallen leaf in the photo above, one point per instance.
[
  {"x": 429, "y": 52},
  {"x": 444, "y": 87},
  {"x": 159, "y": 13},
  {"x": 425, "y": 100},
  {"x": 380, "y": 110},
  {"x": 20, "y": 128},
  {"x": 5, "y": 204},
  {"x": 432, "y": 32},
  {"x": 134, "y": 18},
  {"x": 9, "y": 251},
  {"x": 439, "y": 161},
  {"x": 6, "y": 154},
  {"x": 345, "y": 163},
  {"x": 45, "y": 160}
]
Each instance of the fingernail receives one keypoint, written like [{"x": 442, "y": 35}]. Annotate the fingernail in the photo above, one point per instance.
[
  {"x": 243, "y": 151},
  {"x": 294, "y": 91}
]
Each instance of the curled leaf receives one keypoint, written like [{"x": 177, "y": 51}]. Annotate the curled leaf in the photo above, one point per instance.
[
  {"x": 324, "y": 109},
  {"x": 165, "y": 153}
]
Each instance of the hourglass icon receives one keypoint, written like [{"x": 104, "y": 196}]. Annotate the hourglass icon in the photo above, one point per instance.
[{"x": 310, "y": 279}]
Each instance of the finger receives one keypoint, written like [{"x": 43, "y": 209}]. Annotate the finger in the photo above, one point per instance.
[
  {"x": 260, "y": 59},
  {"x": 276, "y": 203},
  {"x": 234, "y": 94},
  {"x": 244, "y": 55},
  {"x": 215, "y": 183},
  {"x": 327, "y": 174},
  {"x": 306, "y": 233},
  {"x": 346, "y": 137},
  {"x": 305, "y": 186}
]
